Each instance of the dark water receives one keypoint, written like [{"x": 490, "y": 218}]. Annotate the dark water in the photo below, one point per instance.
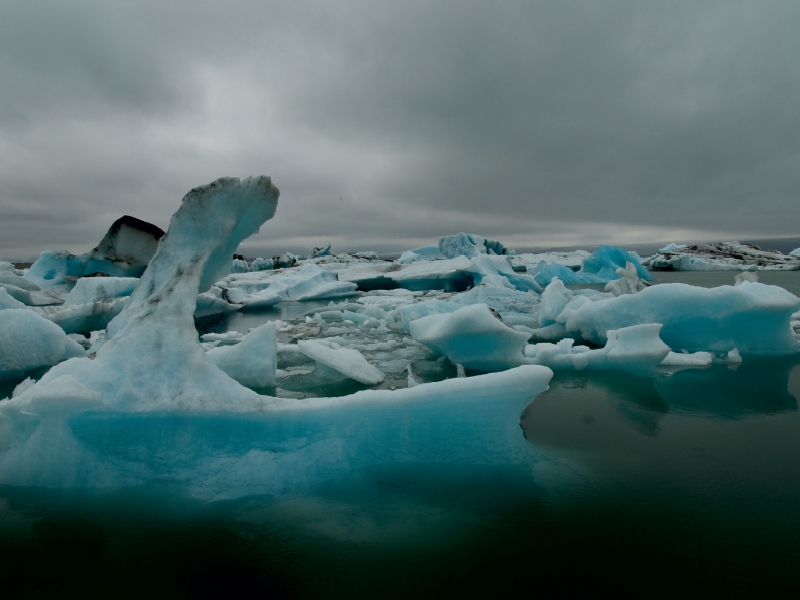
[{"x": 684, "y": 484}]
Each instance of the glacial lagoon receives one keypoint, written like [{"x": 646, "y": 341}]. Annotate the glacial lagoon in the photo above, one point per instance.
[{"x": 683, "y": 483}]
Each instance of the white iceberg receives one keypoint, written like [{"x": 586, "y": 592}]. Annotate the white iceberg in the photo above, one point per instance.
[
  {"x": 350, "y": 363},
  {"x": 473, "y": 337}
]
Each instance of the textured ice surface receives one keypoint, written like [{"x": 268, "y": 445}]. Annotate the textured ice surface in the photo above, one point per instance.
[
  {"x": 751, "y": 316},
  {"x": 63, "y": 439},
  {"x": 473, "y": 337},
  {"x": 29, "y": 341},
  {"x": 89, "y": 290}
]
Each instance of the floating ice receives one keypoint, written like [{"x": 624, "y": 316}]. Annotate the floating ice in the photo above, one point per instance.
[
  {"x": 349, "y": 362},
  {"x": 253, "y": 361},
  {"x": 469, "y": 245},
  {"x": 720, "y": 256},
  {"x": 694, "y": 359},
  {"x": 124, "y": 251},
  {"x": 151, "y": 358},
  {"x": 29, "y": 341},
  {"x": 628, "y": 283},
  {"x": 751, "y": 316},
  {"x": 67, "y": 442},
  {"x": 309, "y": 282},
  {"x": 257, "y": 301},
  {"x": 637, "y": 347},
  {"x": 473, "y": 337},
  {"x": 497, "y": 271}
]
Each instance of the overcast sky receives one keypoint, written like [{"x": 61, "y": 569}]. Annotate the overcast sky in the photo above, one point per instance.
[{"x": 390, "y": 124}]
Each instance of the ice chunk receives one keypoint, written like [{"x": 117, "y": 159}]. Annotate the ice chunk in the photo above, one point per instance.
[
  {"x": 795, "y": 252},
  {"x": 253, "y": 361},
  {"x": 326, "y": 251},
  {"x": 472, "y": 336},
  {"x": 469, "y": 245},
  {"x": 423, "y": 253},
  {"x": 605, "y": 261},
  {"x": 751, "y": 316},
  {"x": 294, "y": 444},
  {"x": 511, "y": 304},
  {"x": 89, "y": 290},
  {"x": 29, "y": 341},
  {"x": 10, "y": 277},
  {"x": 151, "y": 358},
  {"x": 554, "y": 298},
  {"x": 309, "y": 282},
  {"x": 637, "y": 347},
  {"x": 83, "y": 318},
  {"x": 628, "y": 283},
  {"x": 8, "y": 301},
  {"x": 124, "y": 251},
  {"x": 750, "y": 276},
  {"x": 346, "y": 361},
  {"x": 487, "y": 269},
  {"x": 694, "y": 359},
  {"x": 257, "y": 301},
  {"x": 720, "y": 256}
]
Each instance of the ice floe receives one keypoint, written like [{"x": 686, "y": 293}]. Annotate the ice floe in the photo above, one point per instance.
[{"x": 720, "y": 256}]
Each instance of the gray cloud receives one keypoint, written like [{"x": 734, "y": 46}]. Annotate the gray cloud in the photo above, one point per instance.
[{"x": 396, "y": 123}]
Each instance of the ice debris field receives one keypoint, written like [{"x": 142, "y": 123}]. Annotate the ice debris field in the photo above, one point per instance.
[{"x": 117, "y": 380}]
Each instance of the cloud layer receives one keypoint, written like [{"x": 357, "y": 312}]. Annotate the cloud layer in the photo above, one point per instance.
[{"x": 391, "y": 124}]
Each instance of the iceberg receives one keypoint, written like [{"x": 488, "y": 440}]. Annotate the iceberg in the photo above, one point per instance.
[
  {"x": 63, "y": 439},
  {"x": 638, "y": 348},
  {"x": 752, "y": 317},
  {"x": 124, "y": 251},
  {"x": 349, "y": 362},
  {"x": 598, "y": 267},
  {"x": 151, "y": 358},
  {"x": 469, "y": 245},
  {"x": 472, "y": 336},
  {"x": 720, "y": 256},
  {"x": 253, "y": 361},
  {"x": 29, "y": 341},
  {"x": 629, "y": 281}
]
